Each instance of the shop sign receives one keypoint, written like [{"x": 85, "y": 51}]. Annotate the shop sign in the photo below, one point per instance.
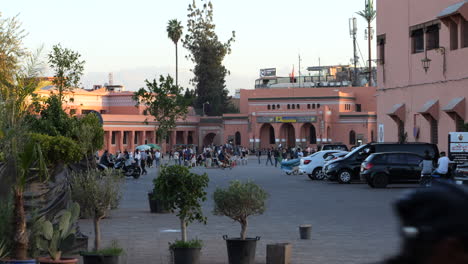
[
  {"x": 458, "y": 146},
  {"x": 286, "y": 119}
]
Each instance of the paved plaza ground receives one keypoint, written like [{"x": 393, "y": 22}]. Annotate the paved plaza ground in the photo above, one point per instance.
[{"x": 350, "y": 223}]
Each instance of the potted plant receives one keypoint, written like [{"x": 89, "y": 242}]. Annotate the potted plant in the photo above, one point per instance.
[
  {"x": 183, "y": 191},
  {"x": 58, "y": 236},
  {"x": 238, "y": 202},
  {"x": 97, "y": 192},
  {"x": 155, "y": 202}
]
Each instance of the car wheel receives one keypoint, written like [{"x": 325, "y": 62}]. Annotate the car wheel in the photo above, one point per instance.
[
  {"x": 380, "y": 180},
  {"x": 318, "y": 174},
  {"x": 288, "y": 173},
  {"x": 370, "y": 183},
  {"x": 345, "y": 176}
]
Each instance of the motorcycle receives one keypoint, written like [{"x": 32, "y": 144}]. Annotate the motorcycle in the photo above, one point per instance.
[{"x": 131, "y": 170}]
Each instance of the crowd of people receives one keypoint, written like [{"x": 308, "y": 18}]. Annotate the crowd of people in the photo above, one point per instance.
[{"x": 280, "y": 153}]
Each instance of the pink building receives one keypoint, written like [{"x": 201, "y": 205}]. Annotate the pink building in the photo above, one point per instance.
[
  {"x": 304, "y": 116},
  {"x": 268, "y": 117},
  {"x": 422, "y": 73}
]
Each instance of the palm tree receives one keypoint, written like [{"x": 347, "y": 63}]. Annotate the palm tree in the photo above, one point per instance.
[
  {"x": 174, "y": 32},
  {"x": 369, "y": 15}
]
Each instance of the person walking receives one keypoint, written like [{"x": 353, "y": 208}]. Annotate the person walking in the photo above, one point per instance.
[
  {"x": 277, "y": 156},
  {"x": 176, "y": 157},
  {"x": 143, "y": 160},
  {"x": 259, "y": 155},
  {"x": 137, "y": 158},
  {"x": 157, "y": 157},
  {"x": 269, "y": 154}
]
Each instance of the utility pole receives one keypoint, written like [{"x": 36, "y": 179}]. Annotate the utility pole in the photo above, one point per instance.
[
  {"x": 320, "y": 72},
  {"x": 353, "y": 33},
  {"x": 369, "y": 39},
  {"x": 299, "y": 70}
]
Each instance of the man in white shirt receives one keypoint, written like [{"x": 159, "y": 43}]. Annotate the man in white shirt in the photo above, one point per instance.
[
  {"x": 157, "y": 156},
  {"x": 443, "y": 164}
]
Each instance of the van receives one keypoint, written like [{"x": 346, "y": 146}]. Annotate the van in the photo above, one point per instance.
[{"x": 348, "y": 168}]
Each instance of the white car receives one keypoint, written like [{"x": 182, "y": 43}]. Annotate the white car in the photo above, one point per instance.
[{"x": 312, "y": 165}]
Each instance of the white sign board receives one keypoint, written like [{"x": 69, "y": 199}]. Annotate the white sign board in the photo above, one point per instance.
[
  {"x": 458, "y": 146},
  {"x": 381, "y": 134}
]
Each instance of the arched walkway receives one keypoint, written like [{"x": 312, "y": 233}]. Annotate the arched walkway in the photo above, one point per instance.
[
  {"x": 267, "y": 136},
  {"x": 209, "y": 138},
  {"x": 309, "y": 133},
  {"x": 352, "y": 137},
  {"x": 237, "y": 139},
  {"x": 288, "y": 136}
]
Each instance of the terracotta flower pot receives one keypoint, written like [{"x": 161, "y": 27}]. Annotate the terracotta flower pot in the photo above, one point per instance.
[
  {"x": 12, "y": 261},
  {"x": 48, "y": 260}
]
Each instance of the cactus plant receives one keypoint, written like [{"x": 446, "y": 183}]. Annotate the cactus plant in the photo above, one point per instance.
[{"x": 59, "y": 235}]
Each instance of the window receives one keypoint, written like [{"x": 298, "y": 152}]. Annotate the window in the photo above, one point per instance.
[
  {"x": 273, "y": 107},
  {"x": 113, "y": 138},
  {"x": 135, "y": 138},
  {"x": 352, "y": 137},
  {"x": 102, "y": 111},
  {"x": 465, "y": 33},
  {"x": 277, "y": 106},
  {"x": 313, "y": 106},
  {"x": 293, "y": 106},
  {"x": 432, "y": 37},
  {"x": 72, "y": 111},
  {"x": 272, "y": 135},
  {"x": 413, "y": 159},
  {"x": 417, "y": 40},
  {"x": 85, "y": 112},
  {"x": 396, "y": 158},
  {"x": 318, "y": 105},
  {"x": 125, "y": 135},
  {"x": 453, "y": 27},
  {"x": 289, "y": 106},
  {"x": 381, "y": 48},
  {"x": 308, "y": 106},
  {"x": 298, "y": 106},
  {"x": 358, "y": 108},
  {"x": 268, "y": 107},
  {"x": 434, "y": 131}
]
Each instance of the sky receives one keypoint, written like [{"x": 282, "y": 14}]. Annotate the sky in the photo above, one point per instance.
[{"x": 129, "y": 38}]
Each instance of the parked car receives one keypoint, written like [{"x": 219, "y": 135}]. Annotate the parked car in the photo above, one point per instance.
[
  {"x": 346, "y": 169},
  {"x": 312, "y": 165},
  {"x": 381, "y": 169},
  {"x": 337, "y": 146},
  {"x": 336, "y": 156}
]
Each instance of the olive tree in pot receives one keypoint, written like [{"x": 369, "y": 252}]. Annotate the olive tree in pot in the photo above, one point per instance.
[
  {"x": 58, "y": 236},
  {"x": 98, "y": 192},
  {"x": 239, "y": 201},
  {"x": 183, "y": 192}
]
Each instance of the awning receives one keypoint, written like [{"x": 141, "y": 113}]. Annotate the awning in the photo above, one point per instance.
[
  {"x": 460, "y": 8},
  {"x": 456, "y": 105},
  {"x": 397, "y": 111},
  {"x": 430, "y": 108}
]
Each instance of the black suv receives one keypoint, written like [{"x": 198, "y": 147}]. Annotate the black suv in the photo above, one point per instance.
[
  {"x": 381, "y": 169},
  {"x": 348, "y": 168}
]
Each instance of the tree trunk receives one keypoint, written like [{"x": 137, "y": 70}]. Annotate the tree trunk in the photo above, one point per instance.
[
  {"x": 97, "y": 234},
  {"x": 183, "y": 230},
  {"x": 21, "y": 239},
  {"x": 244, "y": 225},
  {"x": 176, "y": 65}
]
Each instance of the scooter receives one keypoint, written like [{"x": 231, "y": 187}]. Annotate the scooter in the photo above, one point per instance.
[
  {"x": 427, "y": 178},
  {"x": 129, "y": 171}
]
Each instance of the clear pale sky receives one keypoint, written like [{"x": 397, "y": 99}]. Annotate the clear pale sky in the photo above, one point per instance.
[{"x": 129, "y": 38}]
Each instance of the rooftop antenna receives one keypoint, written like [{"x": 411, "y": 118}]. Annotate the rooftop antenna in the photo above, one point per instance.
[{"x": 111, "y": 78}]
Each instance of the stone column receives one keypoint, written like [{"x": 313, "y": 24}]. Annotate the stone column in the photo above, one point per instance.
[
  {"x": 143, "y": 137},
  {"x": 131, "y": 143}
]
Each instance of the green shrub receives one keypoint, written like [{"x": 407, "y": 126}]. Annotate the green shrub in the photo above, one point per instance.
[
  {"x": 239, "y": 201},
  {"x": 195, "y": 243},
  {"x": 113, "y": 250},
  {"x": 58, "y": 148}
]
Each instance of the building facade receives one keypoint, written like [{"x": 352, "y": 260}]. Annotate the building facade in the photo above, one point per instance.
[
  {"x": 292, "y": 117},
  {"x": 422, "y": 74}
]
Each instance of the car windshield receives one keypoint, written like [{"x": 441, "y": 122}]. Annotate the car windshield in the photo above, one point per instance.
[{"x": 356, "y": 150}]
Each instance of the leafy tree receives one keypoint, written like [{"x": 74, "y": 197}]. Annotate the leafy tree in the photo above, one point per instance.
[
  {"x": 190, "y": 96},
  {"x": 207, "y": 52},
  {"x": 174, "y": 32},
  {"x": 68, "y": 69},
  {"x": 239, "y": 201},
  {"x": 182, "y": 191},
  {"x": 164, "y": 101},
  {"x": 11, "y": 47},
  {"x": 369, "y": 14}
]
